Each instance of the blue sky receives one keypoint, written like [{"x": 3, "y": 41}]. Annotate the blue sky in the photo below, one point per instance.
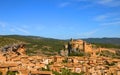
[{"x": 61, "y": 19}]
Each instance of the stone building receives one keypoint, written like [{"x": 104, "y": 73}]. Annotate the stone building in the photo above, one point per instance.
[{"x": 76, "y": 46}]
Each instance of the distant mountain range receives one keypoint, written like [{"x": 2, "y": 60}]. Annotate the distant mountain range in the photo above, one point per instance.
[
  {"x": 49, "y": 46},
  {"x": 115, "y": 41}
]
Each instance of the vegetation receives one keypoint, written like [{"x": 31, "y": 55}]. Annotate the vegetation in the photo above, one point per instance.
[
  {"x": 118, "y": 52},
  {"x": 109, "y": 64},
  {"x": 113, "y": 41},
  {"x": 110, "y": 54},
  {"x": 46, "y": 69},
  {"x": 67, "y": 72},
  {"x": 107, "y": 53},
  {"x": 48, "y": 46},
  {"x": 12, "y": 73},
  {"x": 106, "y": 45},
  {"x": 105, "y": 42},
  {"x": 35, "y": 44},
  {"x": 56, "y": 73},
  {"x": 7, "y": 41},
  {"x": 65, "y": 61},
  {"x": 0, "y": 73}
]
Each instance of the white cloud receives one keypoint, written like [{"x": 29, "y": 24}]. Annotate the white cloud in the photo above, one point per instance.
[
  {"x": 88, "y": 34},
  {"x": 6, "y": 27},
  {"x": 107, "y": 17},
  {"x": 22, "y": 30},
  {"x": 86, "y": 6},
  {"x": 90, "y": 3},
  {"x": 111, "y": 3},
  {"x": 64, "y": 4},
  {"x": 104, "y": 1},
  {"x": 111, "y": 23},
  {"x": 101, "y": 17},
  {"x": 18, "y": 30}
]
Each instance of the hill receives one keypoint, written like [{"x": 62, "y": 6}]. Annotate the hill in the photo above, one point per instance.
[
  {"x": 7, "y": 41},
  {"x": 49, "y": 46},
  {"x": 105, "y": 42},
  {"x": 115, "y": 41},
  {"x": 35, "y": 44}
]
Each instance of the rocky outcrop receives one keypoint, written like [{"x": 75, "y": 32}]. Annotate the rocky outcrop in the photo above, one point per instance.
[{"x": 18, "y": 49}]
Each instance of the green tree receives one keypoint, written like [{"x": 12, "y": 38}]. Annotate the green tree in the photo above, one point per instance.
[
  {"x": 0, "y": 73},
  {"x": 56, "y": 73},
  {"x": 12, "y": 72},
  {"x": 65, "y": 71}
]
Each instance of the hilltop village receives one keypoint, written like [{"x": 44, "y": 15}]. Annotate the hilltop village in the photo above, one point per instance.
[
  {"x": 69, "y": 62},
  {"x": 75, "y": 47}
]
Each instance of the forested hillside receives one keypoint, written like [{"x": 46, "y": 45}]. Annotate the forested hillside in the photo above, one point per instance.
[
  {"x": 105, "y": 42},
  {"x": 34, "y": 44},
  {"x": 115, "y": 41},
  {"x": 8, "y": 41},
  {"x": 49, "y": 46}
]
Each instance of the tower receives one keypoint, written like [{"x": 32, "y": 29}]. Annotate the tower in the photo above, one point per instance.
[{"x": 84, "y": 46}]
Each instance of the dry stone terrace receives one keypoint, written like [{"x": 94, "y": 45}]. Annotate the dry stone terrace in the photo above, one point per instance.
[{"x": 15, "y": 59}]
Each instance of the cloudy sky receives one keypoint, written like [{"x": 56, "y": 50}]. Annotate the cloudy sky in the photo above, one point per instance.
[{"x": 62, "y": 19}]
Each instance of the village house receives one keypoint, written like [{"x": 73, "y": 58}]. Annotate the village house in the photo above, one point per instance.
[{"x": 15, "y": 60}]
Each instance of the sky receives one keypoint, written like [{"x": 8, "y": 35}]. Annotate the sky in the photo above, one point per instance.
[{"x": 60, "y": 19}]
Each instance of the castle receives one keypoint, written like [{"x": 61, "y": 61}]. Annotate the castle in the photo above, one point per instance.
[{"x": 76, "y": 46}]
